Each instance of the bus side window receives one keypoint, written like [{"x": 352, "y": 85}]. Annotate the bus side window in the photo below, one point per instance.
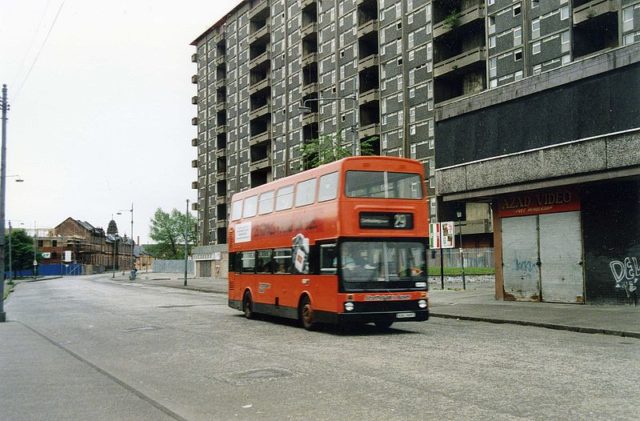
[
  {"x": 328, "y": 259},
  {"x": 248, "y": 261},
  {"x": 282, "y": 260},
  {"x": 328, "y": 187},
  {"x": 263, "y": 262}
]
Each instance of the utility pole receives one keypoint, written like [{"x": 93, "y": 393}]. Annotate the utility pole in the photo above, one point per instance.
[{"x": 3, "y": 185}]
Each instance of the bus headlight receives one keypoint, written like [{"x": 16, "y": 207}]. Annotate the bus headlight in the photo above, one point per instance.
[
  {"x": 422, "y": 303},
  {"x": 348, "y": 306}
]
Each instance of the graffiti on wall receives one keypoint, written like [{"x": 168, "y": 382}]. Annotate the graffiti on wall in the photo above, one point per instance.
[
  {"x": 626, "y": 273},
  {"x": 527, "y": 268}
]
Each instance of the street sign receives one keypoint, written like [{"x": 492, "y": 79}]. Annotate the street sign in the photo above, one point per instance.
[
  {"x": 442, "y": 235},
  {"x": 435, "y": 238}
]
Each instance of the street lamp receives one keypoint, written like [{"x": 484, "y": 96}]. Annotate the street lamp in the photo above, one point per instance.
[
  {"x": 131, "y": 234},
  {"x": 3, "y": 183},
  {"x": 306, "y": 109},
  {"x": 459, "y": 215}
]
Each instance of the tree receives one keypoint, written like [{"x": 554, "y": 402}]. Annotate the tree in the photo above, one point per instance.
[
  {"x": 167, "y": 230},
  {"x": 21, "y": 250},
  {"x": 329, "y": 148}
]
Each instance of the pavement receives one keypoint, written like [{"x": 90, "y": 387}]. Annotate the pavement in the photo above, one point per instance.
[{"x": 476, "y": 303}]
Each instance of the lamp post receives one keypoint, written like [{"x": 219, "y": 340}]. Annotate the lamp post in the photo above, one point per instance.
[
  {"x": 459, "y": 214},
  {"x": 3, "y": 182},
  {"x": 305, "y": 108},
  {"x": 35, "y": 250},
  {"x": 131, "y": 234}
]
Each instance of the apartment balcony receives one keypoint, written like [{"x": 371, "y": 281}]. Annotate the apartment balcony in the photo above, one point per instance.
[
  {"x": 309, "y": 58},
  {"x": 260, "y": 137},
  {"x": 309, "y": 89},
  {"x": 194, "y": 163},
  {"x": 259, "y": 112},
  {"x": 194, "y": 206},
  {"x": 221, "y": 200},
  {"x": 194, "y": 100},
  {"x": 460, "y": 62},
  {"x": 220, "y": 82},
  {"x": 594, "y": 9},
  {"x": 261, "y": 59},
  {"x": 309, "y": 29},
  {"x": 220, "y": 106},
  {"x": 221, "y": 223},
  {"x": 260, "y": 85},
  {"x": 309, "y": 118},
  {"x": 194, "y": 79},
  {"x": 219, "y": 60},
  {"x": 369, "y": 130},
  {"x": 222, "y": 128},
  {"x": 194, "y": 185},
  {"x": 194, "y": 121},
  {"x": 369, "y": 96},
  {"x": 367, "y": 28},
  {"x": 259, "y": 9},
  {"x": 220, "y": 153},
  {"x": 260, "y": 33},
  {"x": 306, "y": 3},
  {"x": 372, "y": 60},
  {"x": 261, "y": 164},
  {"x": 194, "y": 141},
  {"x": 471, "y": 14},
  {"x": 194, "y": 58}
]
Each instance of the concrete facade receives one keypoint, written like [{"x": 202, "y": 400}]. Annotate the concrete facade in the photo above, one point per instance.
[
  {"x": 573, "y": 152},
  {"x": 446, "y": 82}
]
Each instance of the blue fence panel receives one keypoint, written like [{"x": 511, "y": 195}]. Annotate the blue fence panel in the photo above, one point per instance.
[{"x": 50, "y": 270}]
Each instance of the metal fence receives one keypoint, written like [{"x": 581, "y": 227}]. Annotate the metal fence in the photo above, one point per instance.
[
  {"x": 54, "y": 269},
  {"x": 476, "y": 258},
  {"x": 172, "y": 266}
]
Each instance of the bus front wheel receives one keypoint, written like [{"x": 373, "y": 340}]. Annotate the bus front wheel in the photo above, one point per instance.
[
  {"x": 306, "y": 314},
  {"x": 247, "y": 306}
]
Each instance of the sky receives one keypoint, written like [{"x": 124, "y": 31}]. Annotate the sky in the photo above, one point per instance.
[{"x": 100, "y": 108}]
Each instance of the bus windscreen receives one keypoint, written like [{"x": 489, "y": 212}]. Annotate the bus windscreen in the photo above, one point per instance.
[{"x": 382, "y": 261}]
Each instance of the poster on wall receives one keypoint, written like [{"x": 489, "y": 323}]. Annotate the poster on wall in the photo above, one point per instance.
[{"x": 442, "y": 235}]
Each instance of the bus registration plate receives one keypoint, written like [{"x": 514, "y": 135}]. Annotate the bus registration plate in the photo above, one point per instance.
[{"x": 405, "y": 315}]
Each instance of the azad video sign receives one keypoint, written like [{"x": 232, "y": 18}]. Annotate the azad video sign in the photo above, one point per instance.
[{"x": 442, "y": 235}]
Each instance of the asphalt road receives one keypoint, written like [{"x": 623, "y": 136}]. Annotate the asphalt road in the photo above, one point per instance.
[{"x": 90, "y": 348}]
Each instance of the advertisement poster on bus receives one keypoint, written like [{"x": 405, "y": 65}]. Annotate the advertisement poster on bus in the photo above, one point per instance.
[{"x": 300, "y": 254}]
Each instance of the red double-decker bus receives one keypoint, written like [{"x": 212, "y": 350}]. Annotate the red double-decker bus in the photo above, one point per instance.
[{"x": 341, "y": 243}]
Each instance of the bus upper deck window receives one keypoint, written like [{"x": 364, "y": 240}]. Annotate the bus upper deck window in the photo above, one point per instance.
[
  {"x": 306, "y": 192},
  {"x": 236, "y": 210},
  {"x": 265, "y": 203},
  {"x": 328, "y": 187},
  {"x": 284, "y": 198},
  {"x": 250, "y": 207}
]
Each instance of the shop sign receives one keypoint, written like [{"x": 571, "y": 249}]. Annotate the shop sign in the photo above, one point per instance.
[{"x": 539, "y": 202}]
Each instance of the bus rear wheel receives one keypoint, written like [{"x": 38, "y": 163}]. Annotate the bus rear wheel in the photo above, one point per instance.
[
  {"x": 306, "y": 314},
  {"x": 247, "y": 306}
]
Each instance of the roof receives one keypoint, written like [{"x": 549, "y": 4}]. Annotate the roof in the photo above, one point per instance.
[{"x": 219, "y": 23}]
